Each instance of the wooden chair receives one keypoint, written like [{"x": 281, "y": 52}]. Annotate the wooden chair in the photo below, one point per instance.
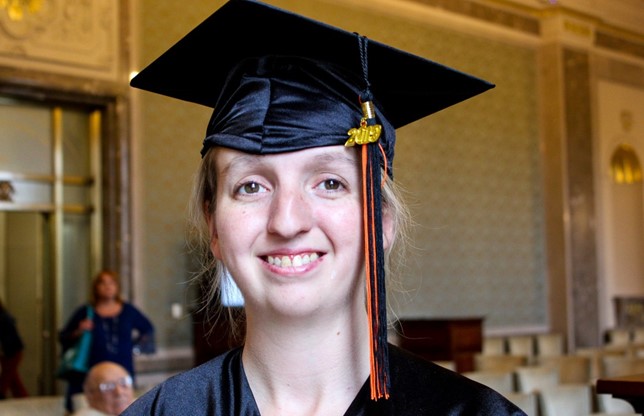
[
  {"x": 566, "y": 400},
  {"x": 548, "y": 345},
  {"x": 524, "y": 401},
  {"x": 494, "y": 346},
  {"x": 33, "y": 406},
  {"x": 596, "y": 356},
  {"x": 500, "y": 381},
  {"x": 500, "y": 363},
  {"x": 618, "y": 336},
  {"x": 638, "y": 336},
  {"x": 617, "y": 366},
  {"x": 536, "y": 378},
  {"x": 522, "y": 345},
  {"x": 572, "y": 369},
  {"x": 607, "y": 404}
]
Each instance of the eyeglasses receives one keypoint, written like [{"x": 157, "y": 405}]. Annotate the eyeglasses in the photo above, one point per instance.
[{"x": 110, "y": 386}]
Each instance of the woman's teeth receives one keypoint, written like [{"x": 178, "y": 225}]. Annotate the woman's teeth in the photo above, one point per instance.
[{"x": 292, "y": 261}]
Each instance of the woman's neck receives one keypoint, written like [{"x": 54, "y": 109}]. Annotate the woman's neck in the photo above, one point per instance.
[
  {"x": 306, "y": 367},
  {"x": 108, "y": 307}
]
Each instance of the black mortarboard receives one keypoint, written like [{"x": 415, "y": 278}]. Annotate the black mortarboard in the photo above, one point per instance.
[{"x": 281, "y": 82}]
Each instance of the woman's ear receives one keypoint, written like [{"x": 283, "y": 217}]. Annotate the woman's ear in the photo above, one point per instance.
[{"x": 214, "y": 236}]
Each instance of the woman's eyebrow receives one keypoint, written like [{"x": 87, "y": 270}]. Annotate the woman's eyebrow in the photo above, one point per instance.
[
  {"x": 341, "y": 159},
  {"x": 241, "y": 161}
]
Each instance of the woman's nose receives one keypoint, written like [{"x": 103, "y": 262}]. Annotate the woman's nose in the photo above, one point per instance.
[{"x": 290, "y": 213}]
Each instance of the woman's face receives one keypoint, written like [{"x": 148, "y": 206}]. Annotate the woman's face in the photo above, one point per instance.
[
  {"x": 106, "y": 287},
  {"x": 289, "y": 228}
]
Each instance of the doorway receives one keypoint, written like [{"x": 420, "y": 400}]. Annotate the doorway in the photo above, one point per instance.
[{"x": 50, "y": 222}]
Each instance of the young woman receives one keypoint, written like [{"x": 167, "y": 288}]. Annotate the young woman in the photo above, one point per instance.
[
  {"x": 117, "y": 326},
  {"x": 295, "y": 193}
]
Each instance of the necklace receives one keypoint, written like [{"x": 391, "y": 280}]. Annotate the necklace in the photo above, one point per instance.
[{"x": 111, "y": 329}]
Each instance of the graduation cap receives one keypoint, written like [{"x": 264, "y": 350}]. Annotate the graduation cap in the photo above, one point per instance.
[{"x": 281, "y": 82}]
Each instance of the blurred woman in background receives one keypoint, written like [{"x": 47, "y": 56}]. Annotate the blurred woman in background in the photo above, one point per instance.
[{"x": 113, "y": 325}]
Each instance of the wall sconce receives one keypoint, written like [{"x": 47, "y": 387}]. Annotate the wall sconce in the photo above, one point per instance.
[
  {"x": 16, "y": 8},
  {"x": 625, "y": 166}
]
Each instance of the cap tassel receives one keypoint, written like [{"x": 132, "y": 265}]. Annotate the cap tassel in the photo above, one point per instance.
[
  {"x": 367, "y": 135},
  {"x": 375, "y": 272}
]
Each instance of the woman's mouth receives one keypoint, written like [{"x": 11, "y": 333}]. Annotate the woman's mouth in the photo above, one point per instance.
[{"x": 292, "y": 260}]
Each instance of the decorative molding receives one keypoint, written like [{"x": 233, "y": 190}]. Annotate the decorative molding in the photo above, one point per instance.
[
  {"x": 575, "y": 24},
  {"x": 558, "y": 26},
  {"x": 72, "y": 37},
  {"x": 616, "y": 43},
  {"x": 487, "y": 13}
]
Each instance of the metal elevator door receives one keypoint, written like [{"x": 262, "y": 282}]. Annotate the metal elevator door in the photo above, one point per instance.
[{"x": 49, "y": 224}]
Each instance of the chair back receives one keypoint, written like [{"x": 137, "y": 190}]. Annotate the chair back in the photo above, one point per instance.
[
  {"x": 536, "y": 378},
  {"x": 596, "y": 356},
  {"x": 500, "y": 381},
  {"x": 572, "y": 369},
  {"x": 618, "y": 336},
  {"x": 524, "y": 401},
  {"x": 499, "y": 363},
  {"x": 522, "y": 345},
  {"x": 33, "y": 406},
  {"x": 568, "y": 400},
  {"x": 494, "y": 346},
  {"x": 638, "y": 336},
  {"x": 617, "y": 366},
  {"x": 548, "y": 345},
  {"x": 606, "y": 403}
]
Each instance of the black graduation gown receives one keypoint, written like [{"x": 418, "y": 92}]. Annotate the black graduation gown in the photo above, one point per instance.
[{"x": 419, "y": 387}]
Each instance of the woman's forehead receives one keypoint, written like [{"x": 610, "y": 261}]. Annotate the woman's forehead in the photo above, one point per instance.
[
  {"x": 227, "y": 159},
  {"x": 106, "y": 278}
]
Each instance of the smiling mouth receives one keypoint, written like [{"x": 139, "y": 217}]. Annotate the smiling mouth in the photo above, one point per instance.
[{"x": 292, "y": 261}]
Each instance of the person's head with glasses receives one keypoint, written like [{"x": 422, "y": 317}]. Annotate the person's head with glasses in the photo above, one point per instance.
[{"x": 108, "y": 388}]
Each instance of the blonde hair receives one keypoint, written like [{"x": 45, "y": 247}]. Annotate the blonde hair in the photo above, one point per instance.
[{"x": 211, "y": 271}]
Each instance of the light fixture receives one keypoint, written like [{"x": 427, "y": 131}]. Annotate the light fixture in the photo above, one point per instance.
[
  {"x": 625, "y": 166},
  {"x": 16, "y": 8}
]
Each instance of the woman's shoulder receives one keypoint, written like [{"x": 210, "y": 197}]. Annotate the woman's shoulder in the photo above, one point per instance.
[
  {"x": 420, "y": 384},
  {"x": 197, "y": 379},
  {"x": 6, "y": 318},
  {"x": 210, "y": 388},
  {"x": 129, "y": 308},
  {"x": 81, "y": 311}
]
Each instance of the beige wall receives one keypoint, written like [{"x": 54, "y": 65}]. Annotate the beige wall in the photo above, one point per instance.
[
  {"x": 167, "y": 142},
  {"x": 622, "y": 205}
]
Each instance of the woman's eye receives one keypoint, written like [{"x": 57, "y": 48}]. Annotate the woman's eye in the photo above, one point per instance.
[
  {"x": 251, "y": 188},
  {"x": 331, "y": 185}
]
